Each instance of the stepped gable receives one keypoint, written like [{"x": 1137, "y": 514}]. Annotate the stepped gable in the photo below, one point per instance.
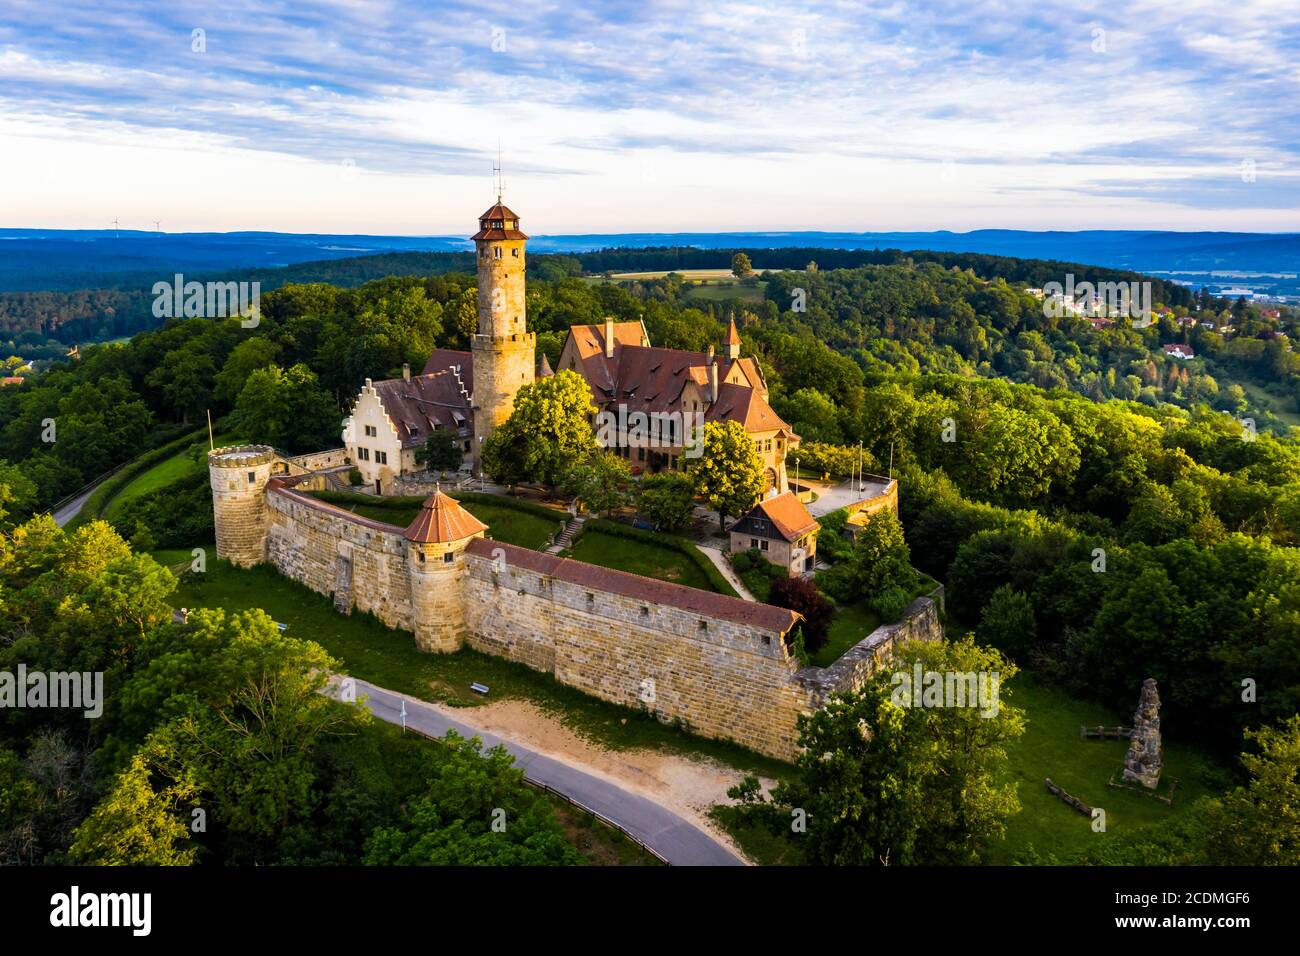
[
  {"x": 440, "y": 360},
  {"x": 649, "y": 590},
  {"x": 423, "y": 404},
  {"x": 442, "y": 520}
]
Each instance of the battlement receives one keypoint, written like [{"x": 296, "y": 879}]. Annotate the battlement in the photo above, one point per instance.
[{"x": 241, "y": 456}]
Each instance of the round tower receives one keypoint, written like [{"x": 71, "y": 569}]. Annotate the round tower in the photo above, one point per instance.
[
  {"x": 239, "y": 475},
  {"x": 436, "y": 560},
  {"x": 503, "y": 350}
]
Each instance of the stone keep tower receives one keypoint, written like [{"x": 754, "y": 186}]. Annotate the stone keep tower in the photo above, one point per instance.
[
  {"x": 435, "y": 559},
  {"x": 503, "y": 350},
  {"x": 239, "y": 475}
]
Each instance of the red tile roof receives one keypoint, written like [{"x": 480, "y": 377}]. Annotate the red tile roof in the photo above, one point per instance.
[
  {"x": 425, "y": 403},
  {"x": 649, "y": 379},
  {"x": 733, "y": 335},
  {"x": 649, "y": 590},
  {"x": 442, "y": 519},
  {"x": 489, "y": 228},
  {"x": 785, "y": 514},
  {"x": 745, "y": 405}
]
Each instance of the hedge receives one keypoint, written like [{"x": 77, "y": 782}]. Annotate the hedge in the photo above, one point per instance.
[
  {"x": 672, "y": 542},
  {"x": 99, "y": 498}
]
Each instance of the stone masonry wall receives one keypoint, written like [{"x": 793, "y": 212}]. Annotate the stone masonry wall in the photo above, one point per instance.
[
  {"x": 722, "y": 679},
  {"x": 328, "y": 550},
  {"x": 726, "y": 681}
]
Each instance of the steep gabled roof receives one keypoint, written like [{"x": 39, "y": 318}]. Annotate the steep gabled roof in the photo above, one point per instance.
[
  {"x": 745, "y": 405},
  {"x": 782, "y": 515},
  {"x": 442, "y": 520}
]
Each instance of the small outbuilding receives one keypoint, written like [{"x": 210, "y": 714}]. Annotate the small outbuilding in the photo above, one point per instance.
[{"x": 781, "y": 529}]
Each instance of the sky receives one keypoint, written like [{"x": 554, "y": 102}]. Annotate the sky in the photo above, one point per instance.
[{"x": 353, "y": 116}]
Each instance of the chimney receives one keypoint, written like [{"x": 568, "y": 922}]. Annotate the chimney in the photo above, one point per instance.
[
  {"x": 406, "y": 372},
  {"x": 713, "y": 377},
  {"x": 609, "y": 336}
]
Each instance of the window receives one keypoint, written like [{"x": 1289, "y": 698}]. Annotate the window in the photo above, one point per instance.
[
  {"x": 753, "y": 542},
  {"x": 448, "y": 558},
  {"x": 371, "y": 431},
  {"x": 762, "y": 545},
  {"x": 515, "y": 253},
  {"x": 496, "y": 252},
  {"x": 704, "y": 625},
  {"x": 421, "y": 553},
  {"x": 645, "y": 611},
  {"x": 591, "y": 598},
  {"x": 363, "y": 454},
  {"x": 252, "y": 477},
  {"x": 381, "y": 457}
]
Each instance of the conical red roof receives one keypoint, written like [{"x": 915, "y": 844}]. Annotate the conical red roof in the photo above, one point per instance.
[
  {"x": 733, "y": 334},
  {"x": 441, "y": 520}
]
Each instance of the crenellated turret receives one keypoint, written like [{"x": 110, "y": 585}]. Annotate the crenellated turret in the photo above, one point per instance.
[{"x": 238, "y": 475}]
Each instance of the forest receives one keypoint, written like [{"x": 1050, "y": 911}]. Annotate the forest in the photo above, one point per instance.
[{"x": 1095, "y": 509}]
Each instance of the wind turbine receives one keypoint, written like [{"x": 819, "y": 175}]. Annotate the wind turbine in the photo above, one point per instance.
[{"x": 116, "y": 225}]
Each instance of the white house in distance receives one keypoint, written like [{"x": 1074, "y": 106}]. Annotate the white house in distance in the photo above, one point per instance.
[{"x": 1180, "y": 351}]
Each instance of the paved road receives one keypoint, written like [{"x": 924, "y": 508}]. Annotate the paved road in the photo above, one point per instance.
[
  {"x": 679, "y": 842},
  {"x": 73, "y": 507}
]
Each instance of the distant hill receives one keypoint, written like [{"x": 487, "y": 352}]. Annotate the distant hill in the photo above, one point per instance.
[{"x": 53, "y": 259}]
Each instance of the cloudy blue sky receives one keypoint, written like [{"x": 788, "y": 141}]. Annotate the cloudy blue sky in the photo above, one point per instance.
[{"x": 383, "y": 117}]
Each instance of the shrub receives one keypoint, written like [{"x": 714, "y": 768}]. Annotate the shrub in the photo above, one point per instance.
[{"x": 801, "y": 595}]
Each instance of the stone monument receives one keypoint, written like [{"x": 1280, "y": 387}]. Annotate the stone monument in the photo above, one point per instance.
[{"x": 1143, "y": 762}]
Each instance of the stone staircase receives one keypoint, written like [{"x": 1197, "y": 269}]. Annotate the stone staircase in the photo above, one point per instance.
[
  {"x": 565, "y": 540},
  {"x": 338, "y": 481}
]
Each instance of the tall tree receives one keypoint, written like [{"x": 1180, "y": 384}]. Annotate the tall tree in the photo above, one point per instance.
[
  {"x": 548, "y": 433},
  {"x": 729, "y": 473}
]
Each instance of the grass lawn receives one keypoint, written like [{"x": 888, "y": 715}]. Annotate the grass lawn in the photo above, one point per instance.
[
  {"x": 850, "y": 624},
  {"x": 1279, "y": 405},
  {"x": 1050, "y": 747},
  {"x": 179, "y": 466},
  {"x": 716, "y": 292},
  {"x": 387, "y": 657},
  {"x": 504, "y": 523},
  {"x": 639, "y": 557}
]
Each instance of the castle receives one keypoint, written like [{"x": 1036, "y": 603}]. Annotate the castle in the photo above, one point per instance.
[
  {"x": 717, "y": 664},
  {"x": 468, "y": 394}
]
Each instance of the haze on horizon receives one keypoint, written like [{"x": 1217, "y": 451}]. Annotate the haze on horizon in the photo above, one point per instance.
[{"x": 384, "y": 117}]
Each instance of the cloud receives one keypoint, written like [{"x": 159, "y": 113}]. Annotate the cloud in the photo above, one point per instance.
[{"x": 662, "y": 98}]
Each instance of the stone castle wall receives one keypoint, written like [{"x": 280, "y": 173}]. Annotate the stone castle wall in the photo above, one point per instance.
[
  {"x": 718, "y": 665},
  {"x": 722, "y": 679},
  {"x": 362, "y": 563}
]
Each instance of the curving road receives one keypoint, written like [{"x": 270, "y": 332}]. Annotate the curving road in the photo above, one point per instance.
[{"x": 678, "y": 841}]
